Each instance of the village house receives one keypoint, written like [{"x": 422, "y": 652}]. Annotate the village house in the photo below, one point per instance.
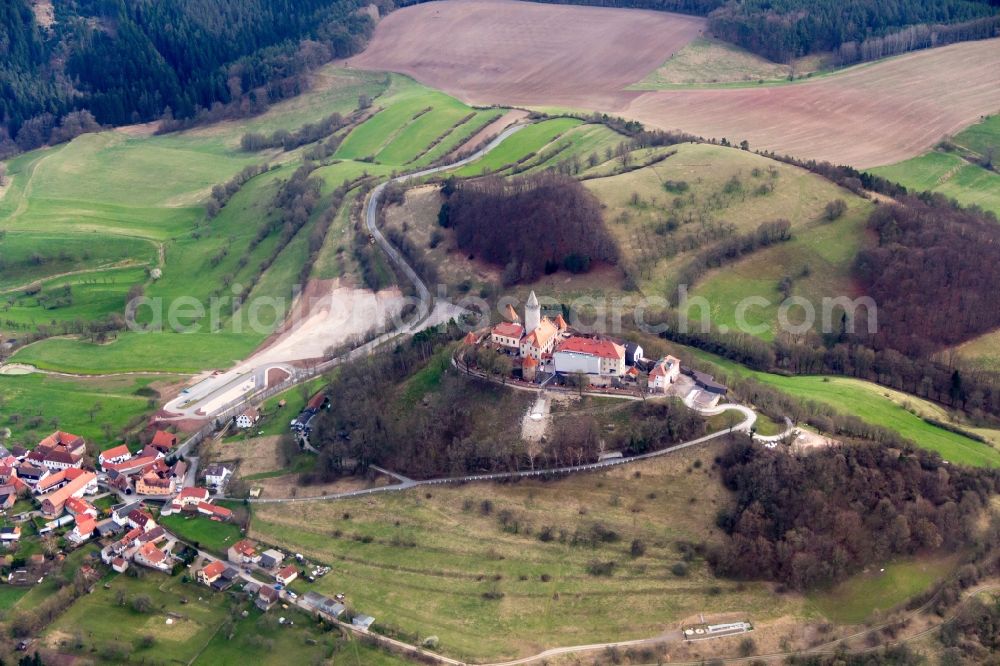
[
  {"x": 30, "y": 474},
  {"x": 324, "y": 607},
  {"x": 187, "y": 498},
  {"x": 248, "y": 418},
  {"x": 163, "y": 441},
  {"x": 84, "y": 483},
  {"x": 8, "y": 496},
  {"x": 287, "y": 575},
  {"x": 117, "y": 454},
  {"x": 601, "y": 360},
  {"x": 633, "y": 353},
  {"x": 271, "y": 558},
  {"x": 155, "y": 483},
  {"x": 664, "y": 373},
  {"x": 267, "y": 596},
  {"x": 10, "y": 533},
  {"x": 244, "y": 551},
  {"x": 135, "y": 464},
  {"x": 141, "y": 519},
  {"x": 216, "y": 476},
  {"x": 78, "y": 507},
  {"x": 150, "y": 555},
  {"x": 59, "y": 451},
  {"x": 119, "y": 564},
  {"x": 83, "y": 530},
  {"x": 120, "y": 512},
  {"x": 211, "y": 572}
]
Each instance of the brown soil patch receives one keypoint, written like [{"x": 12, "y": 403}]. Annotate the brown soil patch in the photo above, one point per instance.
[
  {"x": 875, "y": 114},
  {"x": 500, "y": 51},
  {"x": 276, "y": 376},
  {"x": 288, "y": 486},
  {"x": 45, "y": 14},
  {"x": 505, "y": 52},
  {"x": 256, "y": 455}
]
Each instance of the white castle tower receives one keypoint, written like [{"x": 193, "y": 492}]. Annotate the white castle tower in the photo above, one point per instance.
[{"x": 532, "y": 314}]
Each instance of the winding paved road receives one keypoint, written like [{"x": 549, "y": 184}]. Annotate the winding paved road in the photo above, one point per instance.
[{"x": 371, "y": 221}]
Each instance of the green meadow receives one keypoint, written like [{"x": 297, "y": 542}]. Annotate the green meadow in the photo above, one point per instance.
[
  {"x": 880, "y": 589},
  {"x": 528, "y": 141},
  {"x": 120, "y": 204},
  {"x": 952, "y": 169},
  {"x": 879, "y": 406},
  {"x": 34, "y": 405}
]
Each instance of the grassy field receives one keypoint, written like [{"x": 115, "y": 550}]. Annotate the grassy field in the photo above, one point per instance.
[
  {"x": 110, "y": 186},
  {"x": 528, "y": 141},
  {"x": 953, "y": 171},
  {"x": 818, "y": 261},
  {"x": 662, "y": 214},
  {"x": 441, "y": 563},
  {"x": 205, "y": 628},
  {"x": 707, "y": 61},
  {"x": 881, "y": 589},
  {"x": 881, "y": 406},
  {"x": 32, "y": 406},
  {"x": 414, "y": 126},
  {"x": 210, "y": 535}
]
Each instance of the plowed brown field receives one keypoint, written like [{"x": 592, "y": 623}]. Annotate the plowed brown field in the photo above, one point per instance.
[{"x": 502, "y": 51}]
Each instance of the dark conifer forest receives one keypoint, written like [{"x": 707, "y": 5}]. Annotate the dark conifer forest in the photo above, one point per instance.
[{"x": 139, "y": 60}]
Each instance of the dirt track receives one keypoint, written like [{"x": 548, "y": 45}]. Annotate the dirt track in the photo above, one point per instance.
[{"x": 502, "y": 51}]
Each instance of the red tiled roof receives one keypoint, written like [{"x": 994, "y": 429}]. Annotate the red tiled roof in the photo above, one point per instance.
[
  {"x": 245, "y": 547},
  {"x": 58, "y": 498},
  {"x": 220, "y": 511},
  {"x": 115, "y": 452},
  {"x": 592, "y": 346},
  {"x": 214, "y": 569},
  {"x": 164, "y": 440},
  {"x": 287, "y": 572},
  {"x": 60, "y": 438},
  {"x": 151, "y": 553},
  {"x": 509, "y": 330},
  {"x": 193, "y": 492},
  {"x": 85, "y": 525}
]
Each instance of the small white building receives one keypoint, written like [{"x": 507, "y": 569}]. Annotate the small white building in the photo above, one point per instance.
[
  {"x": 664, "y": 373},
  {"x": 248, "y": 418},
  {"x": 216, "y": 475}
]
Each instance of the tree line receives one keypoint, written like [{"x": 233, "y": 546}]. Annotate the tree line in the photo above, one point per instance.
[
  {"x": 290, "y": 140},
  {"x": 782, "y": 30},
  {"x": 137, "y": 61},
  {"x": 813, "y": 520},
  {"x": 531, "y": 224},
  {"x": 730, "y": 249}
]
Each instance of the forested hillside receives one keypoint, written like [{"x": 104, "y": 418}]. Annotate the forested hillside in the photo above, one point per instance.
[
  {"x": 139, "y": 60},
  {"x": 853, "y": 30}
]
